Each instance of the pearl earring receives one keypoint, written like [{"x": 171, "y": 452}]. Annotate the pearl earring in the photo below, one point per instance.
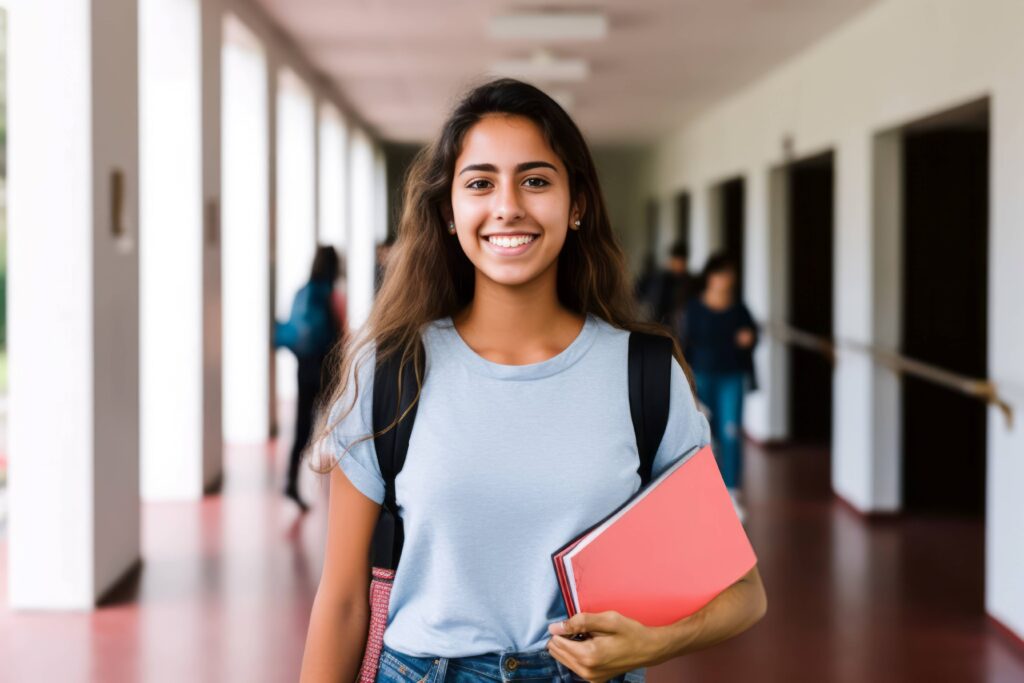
[
  {"x": 451, "y": 227},
  {"x": 577, "y": 223}
]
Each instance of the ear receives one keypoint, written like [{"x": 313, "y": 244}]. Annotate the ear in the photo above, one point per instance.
[
  {"x": 447, "y": 215},
  {"x": 579, "y": 208}
]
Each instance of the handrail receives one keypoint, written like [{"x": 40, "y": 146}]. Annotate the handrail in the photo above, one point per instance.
[{"x": 983, "y": 389}]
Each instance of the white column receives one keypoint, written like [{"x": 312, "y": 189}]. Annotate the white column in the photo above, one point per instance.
[
  {"x": 705, "y": 224},
  {"x": 296, "y": 208},
  {"x": 1004, "y": 504},
  {"x": 73, "y": 301},
  {"x": 380, "y": 186},
  {"x": 179, "y": 256},
  {"x": 362, "y": 249},
  {"x": 333, "y": 196},
  {"x": 245, "y": 237},
  {"x": 866, "y": 468},
  {"x": 765, "y": 284}
]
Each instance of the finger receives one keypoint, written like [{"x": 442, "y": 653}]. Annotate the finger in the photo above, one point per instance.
[
  {"x": 562, "y": 654},
  {"x": 601, "y": 622}
]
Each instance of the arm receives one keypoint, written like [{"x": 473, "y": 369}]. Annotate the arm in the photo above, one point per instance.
[
  {"x": 341, "y": 611},
  {"x": 619, "y": 644}
]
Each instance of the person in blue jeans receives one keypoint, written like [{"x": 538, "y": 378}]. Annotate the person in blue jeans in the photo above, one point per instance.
[
  {"x": 720, "y": 339},
  {"x": 508, "y": 273}
]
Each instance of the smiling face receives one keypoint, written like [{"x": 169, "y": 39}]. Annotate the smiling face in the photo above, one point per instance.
[{"x": 510, "y": 200}]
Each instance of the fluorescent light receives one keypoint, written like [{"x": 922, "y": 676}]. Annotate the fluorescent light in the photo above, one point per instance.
[
  {"x": 543, "y": 66},
  {"x": 549, "y": 26}
]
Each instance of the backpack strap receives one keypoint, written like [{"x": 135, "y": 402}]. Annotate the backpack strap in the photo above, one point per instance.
[
  {"x": 650, "y": 374},
  {"x": 391, "y": 447}
]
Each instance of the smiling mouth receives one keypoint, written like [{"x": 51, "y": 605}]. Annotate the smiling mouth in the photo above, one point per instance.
[{"x": 511, "y": 242}]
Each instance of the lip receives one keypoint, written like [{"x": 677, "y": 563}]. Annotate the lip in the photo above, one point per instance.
[{"x": 509, "y": 251}]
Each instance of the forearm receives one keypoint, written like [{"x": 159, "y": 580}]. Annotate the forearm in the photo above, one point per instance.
[
  {"x": 732, "y": 612},
  {"x": 335, "y": 642}
]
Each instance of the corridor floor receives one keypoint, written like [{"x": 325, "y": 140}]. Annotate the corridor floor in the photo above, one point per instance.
[{"x": 227, "y": 584}]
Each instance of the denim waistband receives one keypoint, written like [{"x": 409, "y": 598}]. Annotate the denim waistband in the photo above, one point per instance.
[{"x": 538, "y": 665}]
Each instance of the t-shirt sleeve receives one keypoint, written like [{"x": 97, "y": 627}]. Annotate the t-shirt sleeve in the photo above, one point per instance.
[
  {"x": 356, "y": 455},
  {"x": 687, "y": 428}
]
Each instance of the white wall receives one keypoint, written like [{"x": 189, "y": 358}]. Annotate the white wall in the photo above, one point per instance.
[{"x": 898, "y": 62}]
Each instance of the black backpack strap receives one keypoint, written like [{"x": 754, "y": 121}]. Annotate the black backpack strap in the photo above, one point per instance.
[
  {"x": 650, "y": 374},
  {"x": 392, "y": 447}
]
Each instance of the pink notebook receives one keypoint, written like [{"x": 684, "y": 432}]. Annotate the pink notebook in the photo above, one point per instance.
[{"x": 664, "y": 554}]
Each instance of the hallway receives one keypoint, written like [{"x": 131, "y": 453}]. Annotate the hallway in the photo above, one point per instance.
[{"x": 228, "y": 582}]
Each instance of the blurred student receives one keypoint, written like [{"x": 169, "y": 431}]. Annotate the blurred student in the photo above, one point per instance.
[
  {"x": 720, "y": 339},
  {"x": 316, "y": 324},
  {"x": 666, "y": 293}
]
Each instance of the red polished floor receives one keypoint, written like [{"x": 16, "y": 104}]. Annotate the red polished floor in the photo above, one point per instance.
[{"x": 227, "y": 585}]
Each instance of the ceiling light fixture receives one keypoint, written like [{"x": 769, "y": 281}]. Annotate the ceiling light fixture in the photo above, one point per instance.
[
  {"x": 554, "y": 25},
  {"x": 543, "y": 66}
]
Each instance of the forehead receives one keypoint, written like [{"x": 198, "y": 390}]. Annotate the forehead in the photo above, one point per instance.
[{"x": 502, "y": 139}]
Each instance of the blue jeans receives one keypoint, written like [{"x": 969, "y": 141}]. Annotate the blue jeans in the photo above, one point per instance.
[
  {"x": 396, "y": 667},
  {"x": 723, "y": 395}
]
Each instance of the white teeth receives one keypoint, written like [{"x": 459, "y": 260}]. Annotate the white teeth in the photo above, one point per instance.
[{"x": 510, "y": 242}]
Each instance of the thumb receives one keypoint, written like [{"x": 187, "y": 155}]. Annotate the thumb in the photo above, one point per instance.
[{"x": 575, "y": 625}]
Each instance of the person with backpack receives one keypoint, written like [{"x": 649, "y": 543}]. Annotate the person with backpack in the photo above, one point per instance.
[
  {"x": 492, "y": 408},
  {"x": 313, "y": 328}
]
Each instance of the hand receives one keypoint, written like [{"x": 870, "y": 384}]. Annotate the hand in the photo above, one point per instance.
[
  {"x": 617, "y": 644},
  {"x": 745, "y": 338}
]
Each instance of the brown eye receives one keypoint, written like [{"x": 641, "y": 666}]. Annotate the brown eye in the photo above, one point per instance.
[
  {"x": 475, "y": 185},
  {"x": 536, "y": 182}
]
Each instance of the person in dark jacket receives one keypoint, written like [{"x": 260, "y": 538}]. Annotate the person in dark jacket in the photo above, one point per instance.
[
  {"x": 721, "y": 335},
  {"x": 315, "y": 329}
]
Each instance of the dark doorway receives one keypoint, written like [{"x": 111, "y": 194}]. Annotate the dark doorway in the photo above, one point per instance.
[
  {"x": 732, "y": 210},
  {"x": 683, "y": 218},
  {"x": 810, "y": 296},
  {"x": 945, "y": 311}
]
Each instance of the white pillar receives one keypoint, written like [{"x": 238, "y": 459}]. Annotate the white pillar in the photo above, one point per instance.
[
  {"x": 866, "y": 465},
  {"x": 362, "y": 249},
  {"x": 333, "y": 196},
  {"x": 765, "y": 284},
  {"x": 73, "y": 301},
  {"x": 1004, "y": 504},
  {"x": 179, "y": 143},
  {"x": 296, "y": 208},
  {"x": 245, "y": 237},
  {"x": 380, "y": 185}
]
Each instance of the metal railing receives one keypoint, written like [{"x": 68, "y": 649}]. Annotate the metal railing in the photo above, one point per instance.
[{"x": 981, "y": 389}]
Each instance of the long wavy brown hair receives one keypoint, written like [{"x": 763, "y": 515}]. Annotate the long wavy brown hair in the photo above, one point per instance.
[{"x": 428, "y": 276}]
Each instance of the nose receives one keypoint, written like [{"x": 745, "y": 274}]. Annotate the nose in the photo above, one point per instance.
[{"x": 507, "y": 207}]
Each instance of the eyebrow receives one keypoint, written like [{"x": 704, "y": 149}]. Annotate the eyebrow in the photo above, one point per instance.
[{"x": 525, "y": 166}]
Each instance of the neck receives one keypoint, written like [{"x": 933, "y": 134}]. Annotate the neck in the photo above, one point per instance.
[{"x": 520, "y": 324}]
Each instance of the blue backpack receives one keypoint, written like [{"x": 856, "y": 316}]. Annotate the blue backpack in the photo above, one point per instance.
[{"x": 311, "y": 329}]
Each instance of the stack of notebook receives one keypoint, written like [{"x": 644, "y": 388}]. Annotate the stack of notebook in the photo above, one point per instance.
[{"x": 664, "y": 554}]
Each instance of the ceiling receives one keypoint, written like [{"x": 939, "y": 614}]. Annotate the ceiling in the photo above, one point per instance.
[{"x": 400, "y": 64}]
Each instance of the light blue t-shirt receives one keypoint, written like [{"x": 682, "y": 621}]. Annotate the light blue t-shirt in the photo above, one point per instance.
[{"x": 506, "y": 464}]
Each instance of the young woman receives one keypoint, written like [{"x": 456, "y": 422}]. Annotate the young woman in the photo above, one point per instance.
[
  {"x": 720, "y": 340},
  {"x": 507, "y": 269},
  {"x": 322, "y": 322}
]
